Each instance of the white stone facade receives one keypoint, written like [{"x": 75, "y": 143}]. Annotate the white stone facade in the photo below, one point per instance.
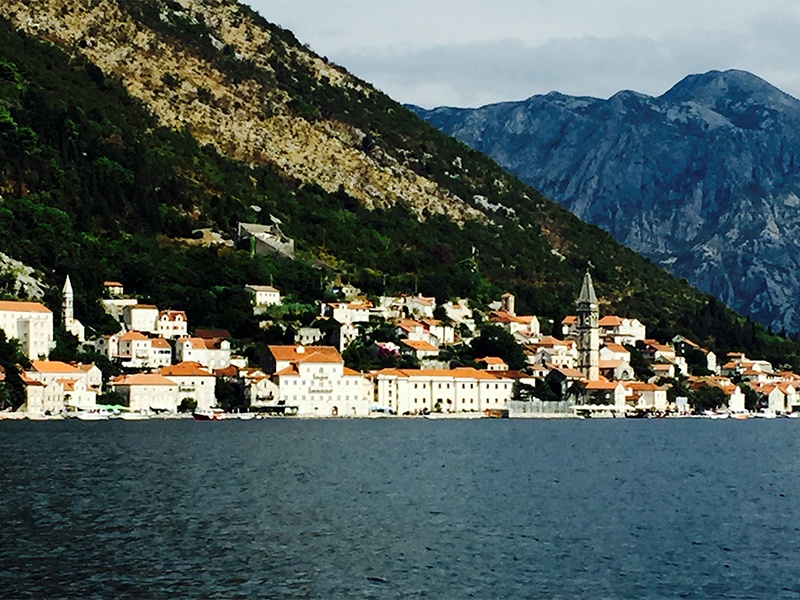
[
  {"x": 412, "y": 391},
  {"x": 29, "y": 322}
]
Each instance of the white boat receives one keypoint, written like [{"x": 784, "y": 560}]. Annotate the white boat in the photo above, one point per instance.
[
  {"x": 210, "y": 414},
  {"x": 89, "y": 415},
  {"x": 134, "y": 416}
]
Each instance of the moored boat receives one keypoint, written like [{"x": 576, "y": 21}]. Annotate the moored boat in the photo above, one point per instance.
[
  {"x": 210, "y": 414},
  {"x": 90, "y": 415}
]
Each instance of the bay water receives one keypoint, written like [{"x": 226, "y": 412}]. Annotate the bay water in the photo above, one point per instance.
[{"x": 400, "y": 508}]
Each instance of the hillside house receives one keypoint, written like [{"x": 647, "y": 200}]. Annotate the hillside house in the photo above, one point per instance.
[
  {"x": 263, "y": 296},
  {"x": 418, "y": 348},
  {"x": 138, "y": 351},
  {"x": 113, "y": 289},
  {"x": 65, "y": 386},
  {"x": 316, "y": 382},
  {"x": 210, "y": 353},
  {"x": 492, "y": 363},
  {"x": 172, "y": 324},
  {"x": 193, "y": 382},
  {"x": 29, "y": 322},
  {"x": 523, "y": 328},
  {"x": 551, "y": 351},
  {"x": 140, "y": 317},
  {"x": 357, "y": 311},
  {"x": 147, "y": 391},
  {"x": 414, "y": 391}
]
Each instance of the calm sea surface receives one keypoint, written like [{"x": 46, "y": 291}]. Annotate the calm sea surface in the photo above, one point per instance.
[{"x": 400, "y": 509}]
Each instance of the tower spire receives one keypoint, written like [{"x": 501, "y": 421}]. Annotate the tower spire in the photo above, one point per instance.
[
  {"x": 67, "y": 303},
  {"x": 587, "y": 289},
  {"x": 588, "y": 330}
]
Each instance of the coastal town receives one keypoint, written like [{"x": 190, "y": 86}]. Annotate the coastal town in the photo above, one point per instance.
[{"x": 599, "y": 367}]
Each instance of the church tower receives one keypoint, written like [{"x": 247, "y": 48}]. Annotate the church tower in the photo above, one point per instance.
[
  {"x": 68, "y": 319},
  {"x": 67, "y": 304},
  {"x": 588, "y": 332}
]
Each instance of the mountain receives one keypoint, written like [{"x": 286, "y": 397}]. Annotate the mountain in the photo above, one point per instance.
[
  {"x": 704, "y": 179},
  {"x": 127, "y": 125}
]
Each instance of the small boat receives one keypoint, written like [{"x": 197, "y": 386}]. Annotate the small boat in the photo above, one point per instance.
[
  {"x": 134, "y": 416},
  {"x": 495, "y": 413},
  {"x": 89, "y": 415},
  {"x": 210, "y": 414}
]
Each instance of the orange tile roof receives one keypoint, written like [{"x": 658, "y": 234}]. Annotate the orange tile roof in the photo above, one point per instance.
[
  {"x": 569, "y": 320},
  {"x": 291, "y": 352},
  {"x": 609, "y": 321},
  {"x": 185, "y": 369},
  {"x": 13, "y": 305},
  {"x": 112, "y": 284},
  {"x": 389, "y": 371},
  {"x": 640, "y": 386},
  {"x": 349, "y": 372},
  {"x": 194, "y": 342},
  {"x": 143, "y": 379},
  {"x": 159, "y": 343},
  {"x": 408, "y": 324},
  {"x": 132, "y": 335},
  {"x": 569, "y": 372},
  {"x": 617, "y": 348},
  {"x": 229, "y": 371},
  {"x": 290, "y": 370},
  {"x": 172, "y": 314},
  {"x": 601, "y": 385},
  {"x": 312, "y": 355},
  {"x": 53, "y": 366},
  {"x": 610, "y": 364},
  {"x": 68, "y": 384},
  {"x": 419, "y": 345},
  {"x": 491, "y": 360},
  {"x": 431, "y": 322}
]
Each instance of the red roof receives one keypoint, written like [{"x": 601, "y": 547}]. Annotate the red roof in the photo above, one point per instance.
[
  {"x": 185, "y": 369},
  {"x": 143, "y": 379},
  {"x": 132, "y": 335},
  {"x": 491, "y": 360},
  {"x": 53, "y": 366},
  {"x": 295, "y": 353},
  {"x": 419, "y": 345},
  {"x": 13, "y": 305},
  {"x": 609, "y": 321}
]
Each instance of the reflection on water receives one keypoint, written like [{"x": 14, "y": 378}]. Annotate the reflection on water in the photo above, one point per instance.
[{"x": 395, "y": 508}]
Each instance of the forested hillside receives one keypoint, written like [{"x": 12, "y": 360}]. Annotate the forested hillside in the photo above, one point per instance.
[{"x": 98, "y": 183}]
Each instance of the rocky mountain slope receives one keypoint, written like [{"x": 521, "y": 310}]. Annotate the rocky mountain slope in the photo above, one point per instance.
[
  {"x": 704, "y": 179},
  {"x": 126, "y": 125}
]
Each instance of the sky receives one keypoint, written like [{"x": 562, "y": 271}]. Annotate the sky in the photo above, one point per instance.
[{"x": 468, "y": 53}]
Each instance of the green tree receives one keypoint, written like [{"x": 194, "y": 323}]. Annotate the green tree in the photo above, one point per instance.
[
  {"x": 12, "y": 389},
  {"x": 640, "y": 364},
  {"x": 496, "y": 341},
  {"x": 66, "y": 349},
  {"x": 187, "y": 405},
  {"x": 708, "y": 398}
]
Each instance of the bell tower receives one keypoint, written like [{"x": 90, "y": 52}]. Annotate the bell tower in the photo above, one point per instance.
[
  {"x": 588, "y": 332},
  {"x": 67, "y": 304}
]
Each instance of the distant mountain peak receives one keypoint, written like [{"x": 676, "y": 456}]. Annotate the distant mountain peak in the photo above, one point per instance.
[{"x": 712, "y": 87}]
